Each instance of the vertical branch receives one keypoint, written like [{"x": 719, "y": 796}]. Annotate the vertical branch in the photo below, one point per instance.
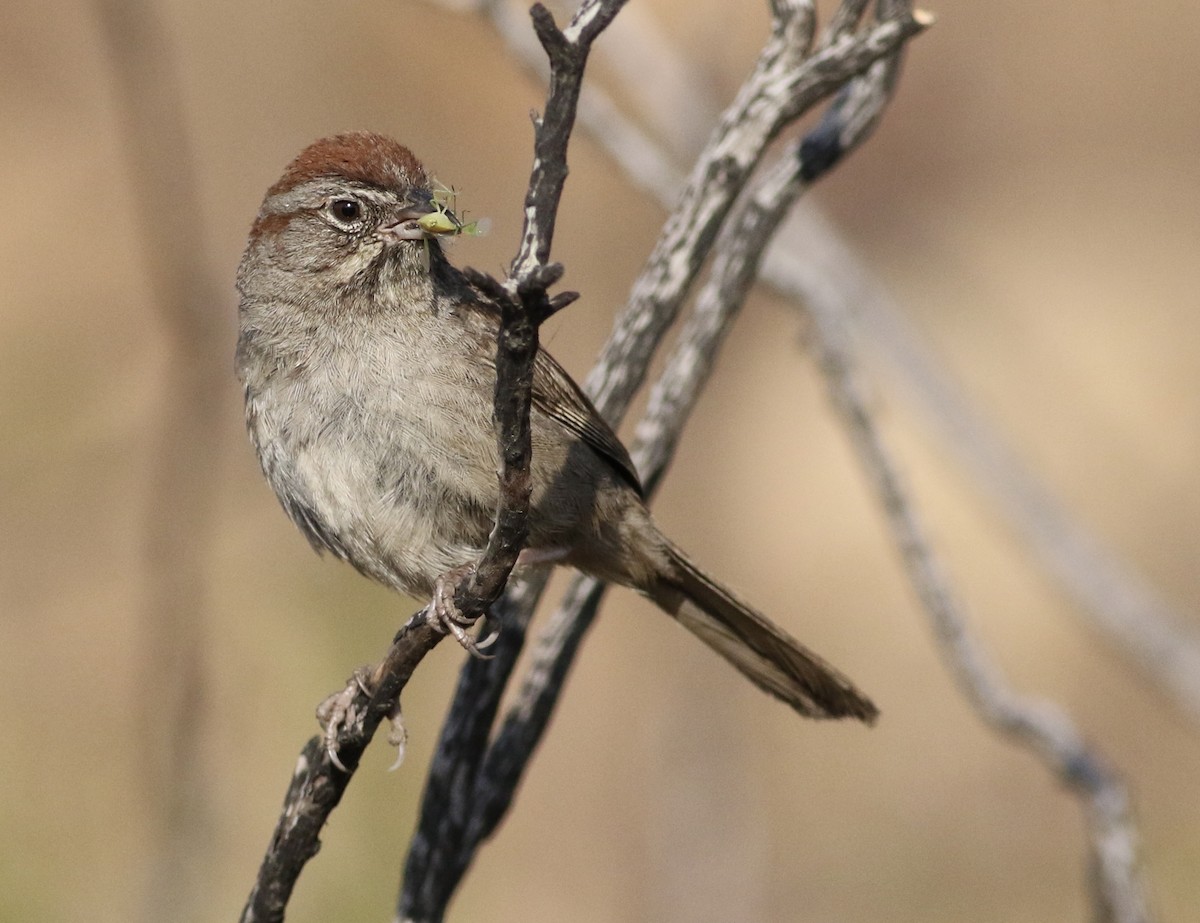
[
  {"x": 183, "y": 485},
  {"x": 432, "y": 869},
  {"x": 567, "y": 52}
]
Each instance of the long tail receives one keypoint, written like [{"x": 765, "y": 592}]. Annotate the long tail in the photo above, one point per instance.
[{"x": 768, "y": 656}]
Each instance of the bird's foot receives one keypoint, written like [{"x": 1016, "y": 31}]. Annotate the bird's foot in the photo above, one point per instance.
[
  {"x": 338, "y": 712},
  {"x": 445, "y": 615}
]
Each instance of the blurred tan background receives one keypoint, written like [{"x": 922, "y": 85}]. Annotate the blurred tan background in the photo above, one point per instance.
[{"x": 1032, "y": 198}]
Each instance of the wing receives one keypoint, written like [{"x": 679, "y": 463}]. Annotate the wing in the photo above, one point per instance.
[
  {"x": 556, "y": 395},
  {"x": 554, "y": 391}
]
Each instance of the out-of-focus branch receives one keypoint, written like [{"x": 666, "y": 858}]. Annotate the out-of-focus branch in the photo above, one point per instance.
[
  {"x": 1117, "y": 893},
  {"x": 810, "y": 259},
  {"x": 178, "y": 527},
  {"x": 810, "y": 262},
  {"x": 479, "y": 798},
  {"x": 1116, "y": 888}
]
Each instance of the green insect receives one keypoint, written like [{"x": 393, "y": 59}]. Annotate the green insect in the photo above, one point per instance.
[
  {"x": 440, "y": 222},
  {"x": 443, "y": 221}
]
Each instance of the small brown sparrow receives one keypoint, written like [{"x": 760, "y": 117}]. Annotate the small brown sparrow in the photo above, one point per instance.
[{"x": 368, "y": 368}]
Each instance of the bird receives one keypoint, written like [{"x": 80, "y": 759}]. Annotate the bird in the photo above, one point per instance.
[{"x": 367, "y": 363}]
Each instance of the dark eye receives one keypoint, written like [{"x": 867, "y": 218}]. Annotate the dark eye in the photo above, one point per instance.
[{"x": 346, "y": 211}]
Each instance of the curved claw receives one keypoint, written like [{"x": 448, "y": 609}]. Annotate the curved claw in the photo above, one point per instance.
[
  {"x": 469, "y": 644},
  {"x": 338, "y": 712},
  {"x": 397, "y": 736},
  {"x": 487, "y": 642},
  {"x": 331, "y": 752}
]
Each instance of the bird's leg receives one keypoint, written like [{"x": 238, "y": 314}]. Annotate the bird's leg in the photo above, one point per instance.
[{"x": 537, "y": 557}]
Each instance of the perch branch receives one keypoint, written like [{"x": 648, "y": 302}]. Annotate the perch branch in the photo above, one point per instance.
[
  {"x": 318, "y": 784},
  {"x": 524, "y": 306}
]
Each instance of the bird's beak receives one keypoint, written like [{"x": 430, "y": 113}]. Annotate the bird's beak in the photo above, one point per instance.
[{"x": 422, "y": 219}]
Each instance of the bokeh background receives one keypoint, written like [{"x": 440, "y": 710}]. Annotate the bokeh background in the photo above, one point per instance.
[{"x": 1032, "y": 199}]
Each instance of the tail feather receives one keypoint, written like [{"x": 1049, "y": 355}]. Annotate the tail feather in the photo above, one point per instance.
[{"x": 767, "y": 655}]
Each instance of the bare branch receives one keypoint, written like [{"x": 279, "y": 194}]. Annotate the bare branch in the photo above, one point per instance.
[
  {"x": 318, "y": 784},
  {"x": 1115, "y": 880},
  {"x": 739, "y": 247},
  {"x": 1117, "y": 889},
  {"x": 783, "y": 86}
]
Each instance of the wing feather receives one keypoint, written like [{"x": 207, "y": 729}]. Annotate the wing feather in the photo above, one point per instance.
[{"x": 556, "y": 395}]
